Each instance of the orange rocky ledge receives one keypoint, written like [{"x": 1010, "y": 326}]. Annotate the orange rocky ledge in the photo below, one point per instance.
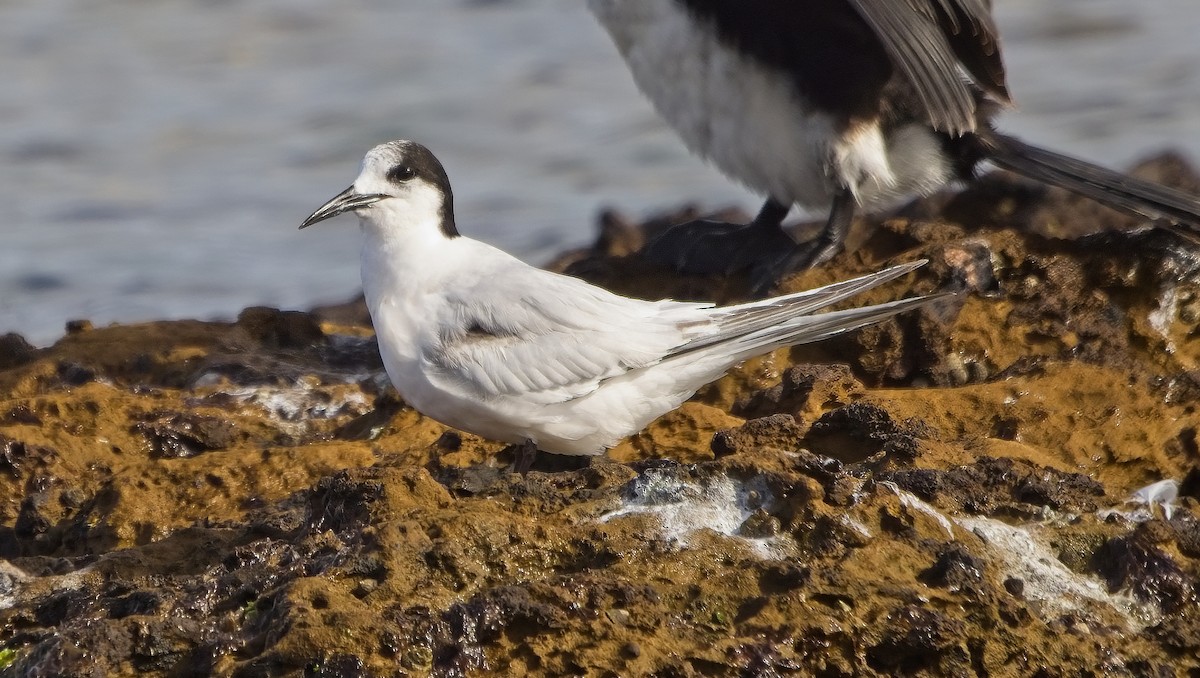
[{"x": 1005, "y": 483}]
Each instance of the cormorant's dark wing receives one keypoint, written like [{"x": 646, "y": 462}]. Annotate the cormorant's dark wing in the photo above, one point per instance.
[{"x": 933, "y": 42}]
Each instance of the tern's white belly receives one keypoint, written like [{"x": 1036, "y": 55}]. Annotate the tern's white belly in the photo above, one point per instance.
[{"x": 586, "y": 426}]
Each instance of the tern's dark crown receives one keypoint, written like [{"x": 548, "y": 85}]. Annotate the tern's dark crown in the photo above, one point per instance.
[{"x": 409, "y": 160}]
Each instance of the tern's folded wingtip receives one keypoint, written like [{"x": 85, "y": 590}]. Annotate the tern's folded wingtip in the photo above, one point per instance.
[{"x": 897, "y": 270}]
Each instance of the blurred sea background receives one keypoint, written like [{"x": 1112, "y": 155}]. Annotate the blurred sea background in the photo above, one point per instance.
[{"x": 156, "y": 158}]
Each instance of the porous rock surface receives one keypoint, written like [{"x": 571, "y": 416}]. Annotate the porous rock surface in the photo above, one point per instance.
[{"x": 965, "y": 490}]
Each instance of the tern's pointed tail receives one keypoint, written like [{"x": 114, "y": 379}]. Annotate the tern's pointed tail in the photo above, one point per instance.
[
  {"x": 747, "y": 330},
  {"x": 810, "y": 328},
  {"x": 746, "y": 319},
  {"x": 1167, "y": 207}
]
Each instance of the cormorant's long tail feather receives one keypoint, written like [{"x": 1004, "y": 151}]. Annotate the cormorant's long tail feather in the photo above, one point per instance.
[{"x": 1166, "y": 207}]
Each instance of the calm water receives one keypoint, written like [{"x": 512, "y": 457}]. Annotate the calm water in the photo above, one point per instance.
[{"x": 155, "y": 158}]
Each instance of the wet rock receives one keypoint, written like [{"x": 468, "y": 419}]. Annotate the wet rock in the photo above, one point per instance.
[
  {"x": 1015, "y": 587},
  {"x": 916, "y": 639},
  {"x": 73, "y": 374},
  {"x": 59, "y": 608},
  {"x": 31, "y": 523},
  {"x": 370, "y": 425},
  {"x": 1179, "y": 632},
  {"x": 969, "y": 266},
  {"x": 472, "y": 481},
  {"x": 338, "y": 666},
  {"x": 15, "y": 351},
  {"x": 804, "y": 389},
  {"x": 350, "y": 353},
  {"x": 175, "y": 435},
  {"x": 778, "y": 431},
  {"x": 79, "y": 326},
  {"x": 957, "y": 569},
  {"x": 781, "y": 577},
  {"x": 280, "y": 329},
  {"x": 350, "y": 313},
  {"x": 18, "y": 458},
  {"x": 160, "y": 645},
  {"x": 21, "y": 414},
  {"x": 1190, "y": 486},
  {"x": 862, "y": 430},
  {"x": 140, "y": 603},
  {"x": 1005, "y": 486},
  {"x": 1137, "y": 562},
  {"x": 342, "y": 504},
  {"x": 56, "y": 519}
]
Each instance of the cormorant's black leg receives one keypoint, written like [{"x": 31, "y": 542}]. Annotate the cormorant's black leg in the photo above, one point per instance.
[
  {"x": 707, "y": 247},
  {"x": 812, "y": 253},
  {"x": 772, "y": 214},
  {"x": 833, "y": 236}
]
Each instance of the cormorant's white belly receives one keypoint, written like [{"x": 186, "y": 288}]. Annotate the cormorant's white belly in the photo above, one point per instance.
[{"x": 750, "y": 121}]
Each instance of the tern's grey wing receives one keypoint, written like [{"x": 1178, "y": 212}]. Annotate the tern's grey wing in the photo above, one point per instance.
[
  {"x": 929, "y": 40},
  {"x": 546, "y": 338}
]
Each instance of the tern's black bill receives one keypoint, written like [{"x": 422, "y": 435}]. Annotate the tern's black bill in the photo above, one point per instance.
[{"x": 345, "y": 201}]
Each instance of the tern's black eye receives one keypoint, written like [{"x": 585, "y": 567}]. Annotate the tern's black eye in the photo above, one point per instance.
[{"x": 401, "y": 173}]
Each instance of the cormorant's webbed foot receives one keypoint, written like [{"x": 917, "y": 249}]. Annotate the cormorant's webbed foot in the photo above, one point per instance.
[
  {"x": 707, "y": 247},
  {"x": 808, "y": 254},
  {"x": 761, "y": 248}
]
